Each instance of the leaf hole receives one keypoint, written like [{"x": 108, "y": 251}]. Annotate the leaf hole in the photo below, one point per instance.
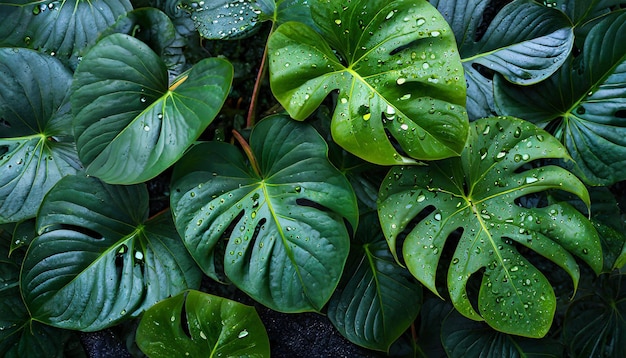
[
  {"x": 396, "y": 145},
  {"x": 184, "y": 323},
  {"x": 621, "y": 113},
  {"x": 483, "y": 71}
]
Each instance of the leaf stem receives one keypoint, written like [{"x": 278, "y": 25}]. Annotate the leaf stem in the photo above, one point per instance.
[
  {"x": 248, "y": 151},
  {"x": 251, "y": 119}
]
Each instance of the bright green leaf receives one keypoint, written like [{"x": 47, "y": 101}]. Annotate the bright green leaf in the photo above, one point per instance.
[
  {"x": 36, "y": 142},
  {"x": 525, "y": 43},
  {"x": 475, "y": 197},
  {"x": 129, "y": 125},
  {"x": 62, "y": 28},
  {"x": 197, "y": 324},
  {"x": 396, "y": 68},
  {"x": 279, "y": 233},
  {"x": 98, "y": 259},
  {"x": 378, "y": 299},
  {"x": 584, "y": 103}
]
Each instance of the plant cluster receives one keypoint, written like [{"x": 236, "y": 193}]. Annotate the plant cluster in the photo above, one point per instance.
[{"x": 405, "y": 145}]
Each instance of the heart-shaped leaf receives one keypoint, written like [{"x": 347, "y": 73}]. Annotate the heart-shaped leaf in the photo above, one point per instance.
[
  {"x": 399, "y": 76},
  {"x": 525, "y": 42},
  {"x": 195, "y": 323},
  {"x": 584, "y": 103},
  {"x": 129, "y": 125},
  {"x": 465, "y": 338},
  {"x": 36, "y": 142},
  {"x": 280, "y": 218},
  {"x": 474, "y": 198},
  {"x": 62, "y": 28},
  {"x": 98, "y": 260},
  {"x": 377, "y": 299}
]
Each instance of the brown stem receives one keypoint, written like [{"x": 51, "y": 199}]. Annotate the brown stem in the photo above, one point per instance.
[
  {"x": 248, "y": 151},
  {"x": 257, "y": 85}
]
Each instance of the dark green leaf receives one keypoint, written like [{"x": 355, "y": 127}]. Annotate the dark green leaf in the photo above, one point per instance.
[
  {"x": 98, "y": 260},
  {"x": 197, "y": 324},
  {"x": 36, "y": 142},
  {"x": 283, "y": 227},
  {"x": 525, "y": 43},
  {"x": 584, "y": 103},
  {"x": 397, "y": 70},
  {"x": 475, "y": 197},
  {"x": 581, "y": 10},
  {"x": 129, "y": 125}
]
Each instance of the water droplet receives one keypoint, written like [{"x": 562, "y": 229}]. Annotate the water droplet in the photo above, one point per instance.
[
  {"x": 421, "y": 198},
  {"x": 139, "y": 255},
  {"x": 455, "y": 261},
  {"x": 242, "y": 333},
  {"x": 123, "y": 312},
  {"x": 160, "y": 116},
  {"x": 514, "y": 269},
  {"x": 338, "y": 21},
  {"x": 390, "y": 14},
  {"x": 420, "y": 21},
  {"x": 425, "y": 65},
  {"x": 344, "y": 100},
  {"x": 437, "y": 217},
  {"x": 530, "y": 180},
  {"x": 435, "y": 33},
  {"x": 367, "y": 116},
  {"x": 581, "y": 110},
  {"x": 202, "y": 335},
  {"x": 146, "y": 128},
  {"x": 36, "y": 10},
  {"x": 143, "y": 99},
  {"x": 405, "y": 97},
  {"x": 404, "y": 126},
  {"x": 401, "y": 80}
]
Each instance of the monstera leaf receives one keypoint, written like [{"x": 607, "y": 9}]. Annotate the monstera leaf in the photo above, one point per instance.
[
  {"x": 395, "y": 64},
  {"x": 61, "y": 28},
  {"x": 377, "y": 299},
  {"x": 98, "y": 260},
  {"x": 474, "y": 197},
  {"x": 196, "y": 323},
  {"x": 525, "y": 42},
  {"x": 276, "y": 224},
  {"x": 129, "y": 125},
  {"x": 36, "y": 142},
  {"x": 584, "y": 103}
]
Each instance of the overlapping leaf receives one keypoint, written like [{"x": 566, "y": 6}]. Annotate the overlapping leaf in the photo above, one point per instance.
[
  {"x": 195, "y": 323},
  {"x": 580, "y": 11},
  {"x": 395, "y": 64},
  {"x": 63, "y": 28},
  {"x": 276, "y": 224},
  {"x": 525, "y": 42},
  {"x": 36, "y": 142},
  {"x": 98, "y": 260},
  {"x": 475, "y": 197},
  {"x": 584, "y": 103},
  {"x": 129, "y": 125}
]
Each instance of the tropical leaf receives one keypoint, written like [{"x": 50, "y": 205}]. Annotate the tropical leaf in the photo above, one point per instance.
[
  {"x": 584, "y": 103},
  {"x": 594, "y": 325},
  {"x": 64, "y": 29},
  {"x": 98, "y": 259},
  {"x": 580, "y": 11},
  {"x": 398, "y": 73},
  {"x": 129, "y": 125},
  {"x": 525, "y": 43},
  {"x": 474, "y": 198},
  {"x": 377, "y": 299},
  {"x": 36, "y": 142},
  {"x": 194, "y": 323},
  {"x": 280, "y": 217},
  {"x": 466, "y": 338}
]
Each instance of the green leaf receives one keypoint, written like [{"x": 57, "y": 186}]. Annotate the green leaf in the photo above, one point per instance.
[
  {"x": 594, "y": 324},
  {"x": 197, "y": 324},
  {"x": 36, "y": 142},
  {"x": 62, "y": 28},
  {"x": 129, "y": 125},
  {"x": 465, "y": 338},
  {"x": 377, "y": 299},
  {"x": 398, "y": 73},
  {"x": 525, "y": 43},
  {"x": 583, "y": 104},
  {"x": 283, "y": 227},
  {"x": 98, "y": 259},
  {"x": 580, "y": 11},
  {"x": 474, "y": 197}
]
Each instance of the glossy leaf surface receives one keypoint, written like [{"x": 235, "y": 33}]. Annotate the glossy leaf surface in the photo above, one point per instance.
[
  {"x": 584, "y": 103},
  {"x": 36, "y": 142},
  {"x": 64, "y": 29},
  {"x": 129, "y": 125},
  {"x": 197, "y": 324},
  {"x": 277, "y": 226},
  {"x": 395, "y": 64},
  {"x": 474, "y": 196},
  {"x": 377, "y": 299},
  {"x": 525, "y": 43},
  {"x": 98, "y": 259}
]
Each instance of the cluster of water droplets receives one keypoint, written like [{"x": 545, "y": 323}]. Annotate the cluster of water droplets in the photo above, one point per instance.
[
  {"x": 44, "y": 8},
  {"x": 231, "y": 20}
]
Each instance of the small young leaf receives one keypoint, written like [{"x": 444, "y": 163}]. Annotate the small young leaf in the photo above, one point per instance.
[
  {"x": 197, "y": 324},
  {"x": 474, "y": 196},
  {"x": 130, "y": 125},
  {"x": 284, "y": 227},
  {"x": 399, "y": 76},
  {"x": 98, "y": 259}
]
